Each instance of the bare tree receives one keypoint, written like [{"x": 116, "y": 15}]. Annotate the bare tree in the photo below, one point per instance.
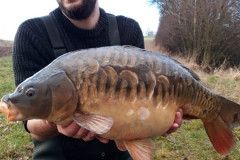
[{"x": 206, "y": 29}]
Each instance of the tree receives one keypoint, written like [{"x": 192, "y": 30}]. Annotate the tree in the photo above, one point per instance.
[{"x": 206, "y": 29}]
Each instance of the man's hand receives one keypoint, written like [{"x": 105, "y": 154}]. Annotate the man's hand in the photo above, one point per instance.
[
  {"x": 176, "y": 124},
  {"x": 42, "y": 130},
  {"x": 76, "y": 131}
]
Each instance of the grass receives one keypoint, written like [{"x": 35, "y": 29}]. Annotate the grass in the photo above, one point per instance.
[
  {"x": 15, "y": 142},
  {"x": 190, "y": 142}
]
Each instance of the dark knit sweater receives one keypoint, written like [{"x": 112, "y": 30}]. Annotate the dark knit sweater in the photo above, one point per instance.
[{"x": 32, "y": 51}]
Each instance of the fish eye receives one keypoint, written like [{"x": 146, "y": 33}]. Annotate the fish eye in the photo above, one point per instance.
[{"x": 30, "y": 92}]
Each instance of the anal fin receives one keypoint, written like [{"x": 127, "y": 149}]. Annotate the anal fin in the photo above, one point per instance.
[
  {"x": 140, "y": 149},
  {"x": 121, "y": 146},
  {"x": 94, "y": 123}
]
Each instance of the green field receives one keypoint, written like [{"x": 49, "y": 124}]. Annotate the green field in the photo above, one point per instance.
[{"x": 190, "y": 142}]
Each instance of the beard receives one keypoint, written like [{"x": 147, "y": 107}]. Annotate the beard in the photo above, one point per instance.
[{"x": 79, "y": 12}]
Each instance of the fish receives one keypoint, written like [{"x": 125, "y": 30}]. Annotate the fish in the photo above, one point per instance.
[{"x": 123, "y": 93}]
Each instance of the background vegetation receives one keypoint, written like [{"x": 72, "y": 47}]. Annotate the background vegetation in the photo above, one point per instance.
[
  {"x": 207, "y": 31},
  {"x": 5, "y": 48}
]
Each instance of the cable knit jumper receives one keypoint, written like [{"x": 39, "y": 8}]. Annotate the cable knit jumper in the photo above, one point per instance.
[{"x": 32, "y": 51}]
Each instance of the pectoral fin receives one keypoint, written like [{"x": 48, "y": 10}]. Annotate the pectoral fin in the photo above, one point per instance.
[
  {"x": 94, "y": 123},
  {"x": 141, "y": 149}
]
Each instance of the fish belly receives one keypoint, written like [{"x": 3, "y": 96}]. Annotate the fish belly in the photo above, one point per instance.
[{"x": 134, "y": 120}]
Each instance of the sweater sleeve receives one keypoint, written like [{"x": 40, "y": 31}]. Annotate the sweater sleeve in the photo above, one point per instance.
[
  {"x": 32, "y": 50},
  {"x": 130, "y": 32}
]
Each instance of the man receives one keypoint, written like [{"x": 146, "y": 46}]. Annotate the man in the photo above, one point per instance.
[{"x": 82, "y": 24}]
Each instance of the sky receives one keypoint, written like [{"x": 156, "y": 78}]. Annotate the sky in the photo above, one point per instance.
[{"x": 14, "y": 12}]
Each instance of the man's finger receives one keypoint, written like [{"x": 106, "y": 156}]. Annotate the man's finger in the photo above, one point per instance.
[
  {"x": 82, "y": 133},
  {"x": 90, "y": 136},
  {"x": 178, "y": 117},
  {"x": 103, "y": 140},
  {"x": 69, "y": 130}
]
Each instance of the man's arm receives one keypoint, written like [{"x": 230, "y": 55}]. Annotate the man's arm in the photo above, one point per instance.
[{"x": 31, "y": 50}]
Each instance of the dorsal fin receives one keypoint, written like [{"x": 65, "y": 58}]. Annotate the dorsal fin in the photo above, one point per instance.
[{"x": 194, "y": 75}]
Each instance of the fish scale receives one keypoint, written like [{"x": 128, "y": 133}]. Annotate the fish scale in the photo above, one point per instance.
[
  {"x": 113, "y": 67},
  {"x": 123, "y": 93}
]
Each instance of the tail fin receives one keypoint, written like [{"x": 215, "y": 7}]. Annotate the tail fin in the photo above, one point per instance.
[
  {"x": 230, "y": 112},
  {"x": 219, "y": 130}
]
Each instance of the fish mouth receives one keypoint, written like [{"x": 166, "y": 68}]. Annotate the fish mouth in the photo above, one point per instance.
[{"x": 10, "y": 111}]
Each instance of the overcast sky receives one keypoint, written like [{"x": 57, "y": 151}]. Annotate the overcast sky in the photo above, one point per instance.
[{"x": 14, "y": 12}]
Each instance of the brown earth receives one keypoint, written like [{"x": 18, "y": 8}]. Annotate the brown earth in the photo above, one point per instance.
[{"x": 5, "y": 48}]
